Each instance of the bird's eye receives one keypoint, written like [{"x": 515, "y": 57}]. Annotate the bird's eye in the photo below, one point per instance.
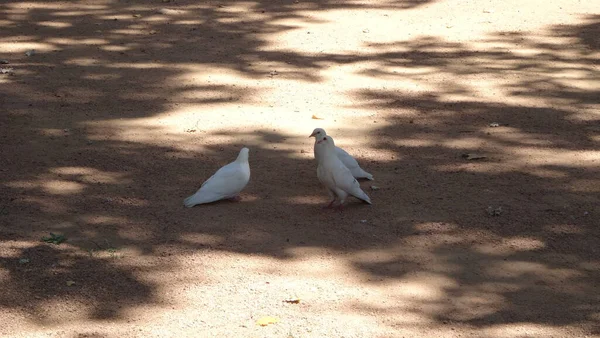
[{"x": 324, "y": 138}]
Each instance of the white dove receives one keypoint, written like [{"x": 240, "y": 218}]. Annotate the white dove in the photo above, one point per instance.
[
  {"x": 226, "y": 183},
  {"x": 349, "y": 161},
  {"x": 335, "y": 176}
]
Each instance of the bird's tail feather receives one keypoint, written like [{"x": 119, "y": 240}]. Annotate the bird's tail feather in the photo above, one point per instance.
[
  {"x": 190, "y": 201},
  {"x": 363, "y": 196}
]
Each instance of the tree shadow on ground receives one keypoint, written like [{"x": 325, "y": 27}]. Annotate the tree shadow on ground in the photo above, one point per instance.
[{"x": 535, "y": 263}]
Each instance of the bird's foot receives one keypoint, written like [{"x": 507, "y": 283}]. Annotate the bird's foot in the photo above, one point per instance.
[{"x": 329, "y": 205}]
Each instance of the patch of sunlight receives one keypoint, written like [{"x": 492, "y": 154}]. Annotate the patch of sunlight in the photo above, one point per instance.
[
  {"x": 41, "y": 5},
  {"x": 426, "y": 286},
  {"x": 436, "y": 227},
  {"x": 101, "y": 77},
  {"x": 239, "y": 7},
  {"x": 92, "y": 175},
  {"x": 73, "y": 42},
  {"x": 81, "y": 13},
  {"x": 509, "y": 246},
  {"x": 61, "y": 187},
  {"x": 22, "y": 184},
  {"x": 54, "y": 24},
  {"x": 22, "y": 47},
  {"x": 567, "y": 158},
  {"x": 517, "y": 136},
  {"x": 189, "y": 22},
  {"x": 523, "y": 330},
  {"x": 306, "y": 200},
  {"x": 473, "y": 304},
  {"x": 155, "y": 19},
  {"x": 547, "y": 173},
  {"x": 103, "y": 219},
  {"x": 201, "y": 239},
  {"x": 114, "y": 48},
  {"x": 517, "y": 269},
  {"x": 130, "y": 31},
  {"x": 137, "y": 65},
  {"x": 123, "y": 17},
  {"x": 564, "y": 229},
  {"x": 465, "y": 142}
]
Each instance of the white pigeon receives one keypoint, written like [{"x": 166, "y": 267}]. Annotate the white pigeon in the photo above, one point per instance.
[
  {"x": 226, "y": 183},
  {"x": 349, "y": 161},
  {"x": 335, "y": 176}
]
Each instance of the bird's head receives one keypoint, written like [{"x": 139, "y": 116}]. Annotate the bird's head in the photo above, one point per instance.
[
  {"x": 243, "y": 156},
  {"x": 318, "y": 134},
  {"x": 325, "y": 142}
]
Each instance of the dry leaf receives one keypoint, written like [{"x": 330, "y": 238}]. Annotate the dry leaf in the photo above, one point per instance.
[
  {"x": 264, "y": 321},
  {"x": 70, "y": 283},
  {"x": 473, "y": 156},
  {"x": 292, "y": 300},
  {"x": 315, "y": 117}
]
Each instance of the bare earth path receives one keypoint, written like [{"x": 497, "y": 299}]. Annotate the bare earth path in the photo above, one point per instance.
[{"x": 125, "y": 107}]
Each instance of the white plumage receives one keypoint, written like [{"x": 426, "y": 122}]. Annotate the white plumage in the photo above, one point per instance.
[
  {"x": 226, "y": 183},
  {"x": 347, "y": 159},
  {"x": 334, "y": 175}
]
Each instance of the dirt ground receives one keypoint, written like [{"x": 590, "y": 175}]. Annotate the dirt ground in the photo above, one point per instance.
[{"x": 125, "y": 107}]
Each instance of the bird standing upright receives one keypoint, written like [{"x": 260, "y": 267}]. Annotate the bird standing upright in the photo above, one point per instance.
[
  {"x": 347, "y": 159},
  {"x": 335, "y": 176}
]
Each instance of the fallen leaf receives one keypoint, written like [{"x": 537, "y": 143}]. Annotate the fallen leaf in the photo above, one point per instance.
[
  {"x": 54, "y": 239},
  {"x": 292, "y": 300},
  {"x": 315, "y": 117},
  {"x": 264, "y": 321},
  {"x": 374, "y": 187},
  {"x": 474, "y": 156},
  {"x": 70, "y": 283}
]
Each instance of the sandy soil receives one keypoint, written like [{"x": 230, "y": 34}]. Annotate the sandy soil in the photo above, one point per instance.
[{"x": 127, "y": 106}]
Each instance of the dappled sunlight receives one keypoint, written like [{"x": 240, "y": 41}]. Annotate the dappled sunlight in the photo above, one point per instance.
[{"x": 127, "y": 107}]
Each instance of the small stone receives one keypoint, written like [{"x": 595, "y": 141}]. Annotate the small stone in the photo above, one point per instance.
[
  {"x": 494, "y": 124},
  {"x": 374, "y": 187},
  {"x": 30, "y": 52}
]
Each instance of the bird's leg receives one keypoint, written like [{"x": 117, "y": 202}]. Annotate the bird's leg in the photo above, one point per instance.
[
  {"x": 236, "y": 198},
  {"x": 333, "y": 198},
  {"x": 329, "y": 205}
]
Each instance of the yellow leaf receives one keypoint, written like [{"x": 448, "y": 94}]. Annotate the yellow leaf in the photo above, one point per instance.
[
  {"x": 70, "y": 283},
  {"x": 315, "y": 117},
  {"x": 264, "y": 321}
]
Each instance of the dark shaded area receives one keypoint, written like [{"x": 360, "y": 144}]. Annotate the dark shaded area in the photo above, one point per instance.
[{"x": 63, "y": 88}]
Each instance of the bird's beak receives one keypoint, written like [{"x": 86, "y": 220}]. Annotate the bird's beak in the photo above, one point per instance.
[{"x": 312, "y": 135}]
